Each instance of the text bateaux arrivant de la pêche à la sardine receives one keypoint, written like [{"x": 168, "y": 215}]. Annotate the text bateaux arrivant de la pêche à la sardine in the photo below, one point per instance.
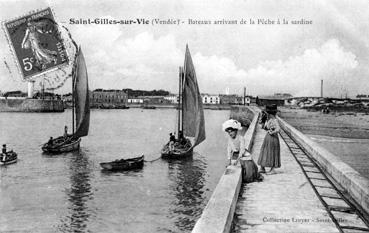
[{"x": 189, "y": 21}]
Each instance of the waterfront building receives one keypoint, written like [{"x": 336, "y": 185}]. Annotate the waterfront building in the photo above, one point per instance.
[
  {"x": 135, "y": 100},
  {"x": 283, "y": 95},
  {"x": 46, "y": 95},
  {"x": 155, "y": 100},
  {"x": 231, "y": 99},
  {"x": 210, "y": 99},
  {"x": 172, "y": 98},
  {"x": 108, "y": 98},
  {"x": 18, "y": 94},
  {"x": 268, "y": 100},
  {"x": 247, "y": 100},
  {"x": 291, "y": 101},
  {"x": 362, "y": 97}
]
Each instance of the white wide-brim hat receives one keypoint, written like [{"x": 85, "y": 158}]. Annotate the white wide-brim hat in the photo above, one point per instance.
[{"x": 234, "y": 124}]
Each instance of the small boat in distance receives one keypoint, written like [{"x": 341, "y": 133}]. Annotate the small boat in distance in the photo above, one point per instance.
[
  {"x": 191, "y": 122},
  {"x": 146, "y": 106},
  {"x": 8, "y": 158},
  {"x": 80, "y": 111},
  {"x": 124, "y": 164}
]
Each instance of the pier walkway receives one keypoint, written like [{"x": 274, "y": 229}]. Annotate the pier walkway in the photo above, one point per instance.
[{"x": 285, "y": 201}]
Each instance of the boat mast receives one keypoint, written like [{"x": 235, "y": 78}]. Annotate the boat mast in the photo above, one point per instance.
[
  {"x": 73, "y": 80},
  {"x": 179, "y": 99},
  {"x": 73, "y": 106},
  {"x": 182, "y": 87}
]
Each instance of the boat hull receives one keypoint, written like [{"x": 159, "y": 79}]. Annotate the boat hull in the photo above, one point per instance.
[
  {"x": 178, "y": 152},
  {"x": 148, "y": 107},
  {"x": 63, "y": 147},
  {"x": 177, "y": 155},
  {"x": 12, "y": 157},
  {"x": 124, "y": 164}
]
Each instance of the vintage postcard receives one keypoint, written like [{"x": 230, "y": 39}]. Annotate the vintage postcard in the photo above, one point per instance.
[{"x": 184, "y": 116}]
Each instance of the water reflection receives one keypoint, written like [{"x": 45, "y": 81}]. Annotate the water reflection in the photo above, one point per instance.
[
  {"x": 131, "y": 173},
  {"x": 78, "y": 194},
  {"x": 188, "y": 182},
  {"x": 69, "y": 193}
]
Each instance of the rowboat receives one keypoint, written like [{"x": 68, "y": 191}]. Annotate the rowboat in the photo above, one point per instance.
[
  {"x": 124, "y": 164},
  {"x": 147, "y": 107},
  {"x": 11, "y": 157},
  {"x": 191, "y": 123}
]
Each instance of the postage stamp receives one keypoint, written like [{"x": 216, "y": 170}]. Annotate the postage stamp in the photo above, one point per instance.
[{"x": 36, "y": 42}]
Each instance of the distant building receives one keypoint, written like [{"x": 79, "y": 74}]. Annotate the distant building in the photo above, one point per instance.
[
  {"x": 172, "y": 98},
  {"x": 135, "y": 100},
  {"x": 291, "y": 101},
  {"x": 45, "y": 95},
  {"x": 308, "y": 101},
  {"x": 231, "y": 99},
  {"x": 67, "y": 98},
  {"x": 154, "y": 100},
  {"x": 210, "y": 99},
  {"x": 283, "y": 95},
  {"x": 278, "y": 99},
  {"x": 362, "y": 97},
  {"x": 304, "y": 101},
  {"x": 108, "y": 98},
  {"x": 15, "y": 94},
  {"x": 247, "y": 100}
]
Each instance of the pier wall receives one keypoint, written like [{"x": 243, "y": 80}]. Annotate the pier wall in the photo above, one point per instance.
[
  {"x": 218, "y": 213},
  {"x": 355, "y": 185},
  {"x": 30, "y": 105}
]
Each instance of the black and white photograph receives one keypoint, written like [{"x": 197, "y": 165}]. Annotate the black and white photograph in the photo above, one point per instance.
[{"x": 192, "y": 116}]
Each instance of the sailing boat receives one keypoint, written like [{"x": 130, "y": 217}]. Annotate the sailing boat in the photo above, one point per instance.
[
  {"x": 80, "y": 112},
  {"x": 191, "y": 121}
]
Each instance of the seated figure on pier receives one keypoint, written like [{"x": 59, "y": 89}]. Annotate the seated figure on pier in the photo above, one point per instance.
[{"x": 236, "y": 145}]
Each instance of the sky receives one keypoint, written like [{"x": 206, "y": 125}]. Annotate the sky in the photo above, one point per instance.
[{"x": 266, "y": 59}]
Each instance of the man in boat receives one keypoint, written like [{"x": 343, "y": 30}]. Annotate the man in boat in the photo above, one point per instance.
[
  {"x": 4, "y": 149},
  {"x": 172, "y": 140},
  {"x": 181, "y": 139},
  {"x": 3, "y": 155},
  {"x": 50, "y": 142},
  {"x": 66, "y": 136},
  {"x": 65, "y": 132}
]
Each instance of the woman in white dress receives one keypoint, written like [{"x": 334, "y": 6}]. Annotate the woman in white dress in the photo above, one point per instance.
[{"x": 236, "y": 151}]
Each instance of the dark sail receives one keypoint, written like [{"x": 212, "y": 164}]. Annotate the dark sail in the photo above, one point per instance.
[
  {"x": 193, "y": 114},
  {"x": 81, "y": 96}
]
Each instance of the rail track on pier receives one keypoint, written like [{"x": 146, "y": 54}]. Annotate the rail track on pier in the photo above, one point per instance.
[{"x": 339, "y": 205}]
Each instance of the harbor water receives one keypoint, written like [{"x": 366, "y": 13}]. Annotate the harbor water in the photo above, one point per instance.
[{"x": 70, "y": 193}]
